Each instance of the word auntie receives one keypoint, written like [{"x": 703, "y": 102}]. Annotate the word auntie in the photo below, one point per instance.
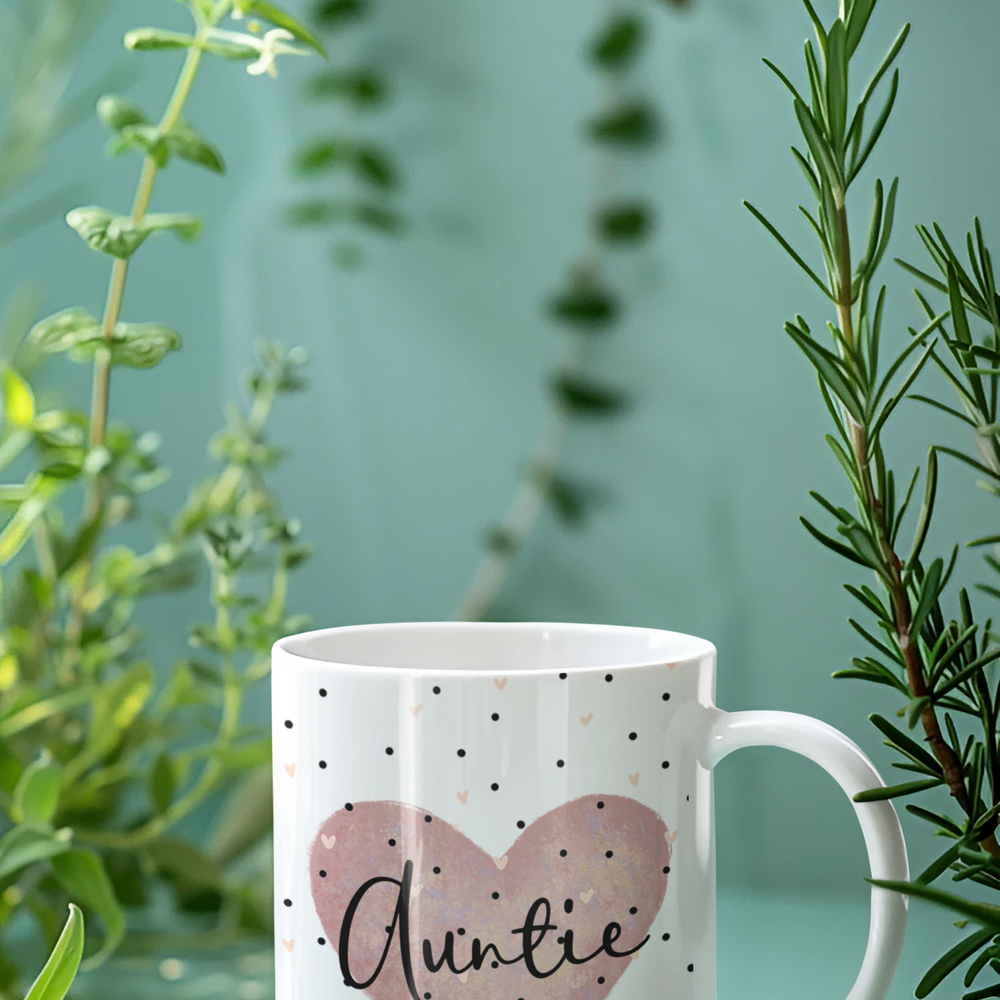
[
  {"x": 532, "y": 932},
  {"x": 416, "y": 910}
]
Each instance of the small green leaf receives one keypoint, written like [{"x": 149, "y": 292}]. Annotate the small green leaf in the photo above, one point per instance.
[
  {"x": 150, "y": 39},
  {"x": 947, "y": 964},
  {"x": 18, "y": 400},
  {"x": 188, "y": 227},
  {"x": 376, "y": 166},
  {"x": 334, "y": 13},
  {"x": 37, "y": 794},
  {"x": 627, "y": 222},
  {"x": 321, "y": 155},
  {"x": 162, "y": 783},
  {"x": 25, "y": 845},
  {"x": 632, "y": 124},
  {"x": 587, "y": 306},
  {"x": 364, "y": 88},
  {"x": 134, "y": 345},
  {"x": 619, "y": 43},
  {"x": 189, "y": 144},
  {"x": 117, "y": 113},
  {"x": 226, "y": 48},
  {"x": 379, "y": 217},
  {"x": 120, "y": 235},
  {"x": 62, "y": 331},
  {"x": 144, "y": 139},
  {"x": 60, "y": 970},
  {"x": 982, "y": 913},
  {"x": 82, "y": 875},
  {"x": 107, "y": 232},
  {"x": 280, "y": 19},
  {"x": 581, "y": 396},
  {"x": 895, "y": 791}
]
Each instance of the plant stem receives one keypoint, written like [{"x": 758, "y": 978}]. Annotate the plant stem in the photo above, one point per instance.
[
  {"x": 102, "y": 362},
  {"x": 532, "y": 493},
  {"x": 232, "y": 698},
  {"x": 899, "y": 598},
  {"x": 527, "y": 505}
]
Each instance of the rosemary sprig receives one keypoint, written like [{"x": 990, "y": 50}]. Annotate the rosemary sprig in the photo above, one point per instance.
[{"x": 940, "y": 666}]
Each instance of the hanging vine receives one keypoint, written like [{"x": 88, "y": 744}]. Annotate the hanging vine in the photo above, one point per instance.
[
  {"x": 360, "y": 174},
  {"x": 584, "y": 309}
]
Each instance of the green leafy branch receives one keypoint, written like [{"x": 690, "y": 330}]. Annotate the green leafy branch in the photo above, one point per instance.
[
  {"x": 941, "y": 667},
  {"x": 586, "y": 309},
  {"x": 92, "y": 781},
  {"x": 364, "y": 174}
]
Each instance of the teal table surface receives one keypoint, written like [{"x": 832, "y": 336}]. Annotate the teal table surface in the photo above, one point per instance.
[
  {"x": 771, "y": 947},
  {"x": 811, "y": 946}
]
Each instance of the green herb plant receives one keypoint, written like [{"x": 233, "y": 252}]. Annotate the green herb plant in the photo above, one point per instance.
[
  {"x": 101, "y": 755},
  {"x": 939, "y": 664},
  {"x": 361, "y": 172},
  {"x": 584, "y": 309}
]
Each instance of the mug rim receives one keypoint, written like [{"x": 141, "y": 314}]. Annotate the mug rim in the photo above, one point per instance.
[{"x": 695, "y": 649}]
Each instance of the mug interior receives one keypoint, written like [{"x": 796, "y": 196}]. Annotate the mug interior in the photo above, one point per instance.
[{"x": 494, "y": 646}]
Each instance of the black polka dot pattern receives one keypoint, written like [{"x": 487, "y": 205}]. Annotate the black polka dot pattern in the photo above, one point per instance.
[
  {"x": 288, "y": 723},
  {"x": 288, "y": 902},
  {"x": 483, "y": 751}
]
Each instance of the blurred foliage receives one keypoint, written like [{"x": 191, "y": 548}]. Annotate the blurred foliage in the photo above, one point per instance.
[
  {"x": 585, "y": 308},
  {"x": 42, "y": 39},
  {"x": 361, "y": 174},
  {"x": 103, "y": 754}
]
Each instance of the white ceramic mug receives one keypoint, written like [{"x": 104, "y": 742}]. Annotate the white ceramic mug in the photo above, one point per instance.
[{"x": 519, "y": 812}]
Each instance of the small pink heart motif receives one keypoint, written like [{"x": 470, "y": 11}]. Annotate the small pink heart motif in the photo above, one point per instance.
[
  {"x": 670, "y": 837},
  {"x": 454, "y": 882},
  {"x": 670, "y": 666},
  {"x": 634, "y": 778},
  {"x": 501, "y": 682},
  {"x": 289, "y": 945},
  {"x": 463, "y": 797},
  {"x": 290, "y": 770},
  {"x": 585, "y": 719},
  {"x": 415, "y": 710},
  {"x": 328, "y": 842}
]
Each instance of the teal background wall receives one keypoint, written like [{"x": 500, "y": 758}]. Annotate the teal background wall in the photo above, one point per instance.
[{"x": 428, "y": 364}]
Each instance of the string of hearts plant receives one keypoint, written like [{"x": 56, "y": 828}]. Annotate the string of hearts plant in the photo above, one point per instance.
[
  {"x": 585, "y": 308},
  {"x": 363, "y": 172},
  {"x": 940, "y": 665},
  {"x": 99, "y": 760}
]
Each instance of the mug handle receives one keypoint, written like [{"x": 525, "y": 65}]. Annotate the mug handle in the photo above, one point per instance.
[{"x": 854, "y": 772}]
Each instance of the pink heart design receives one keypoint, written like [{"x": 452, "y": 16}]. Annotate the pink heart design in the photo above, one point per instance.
[
  {"x": 290, "y": 770},
  {"x": 501, "y": 682},
  {"x": 289, "y": 945},
  {"x": 616, "y": 851},
  {"x": 585, "y": 719}
]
